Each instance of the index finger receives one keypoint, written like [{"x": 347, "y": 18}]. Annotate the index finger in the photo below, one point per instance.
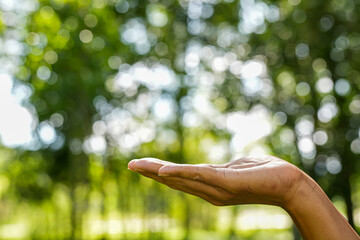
[{"x": 151, "y": 165}]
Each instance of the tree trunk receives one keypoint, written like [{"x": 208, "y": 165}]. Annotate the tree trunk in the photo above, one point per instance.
[{"x": 347, "y": 197}]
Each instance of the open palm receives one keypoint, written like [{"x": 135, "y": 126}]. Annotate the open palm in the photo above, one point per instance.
[{"x": 261, "y": 179}]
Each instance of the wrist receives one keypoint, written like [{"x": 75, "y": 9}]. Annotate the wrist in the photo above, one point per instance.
[
  {"x": 314, "y": 214},
  {"x": 302, "y": 190}
]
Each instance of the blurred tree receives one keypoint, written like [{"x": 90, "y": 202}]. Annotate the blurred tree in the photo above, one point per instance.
[
  {"x": 113, "y": 80},
  {"x": 311, "y": 57}
]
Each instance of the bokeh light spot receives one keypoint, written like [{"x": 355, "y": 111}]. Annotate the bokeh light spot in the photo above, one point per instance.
[
  {"x": 302, "y": 89},
  {"x": 302, "y": 50},
  {"x": 299, "y": 16},
  {"x": 280, "y": 118},
  {"x": 122, "y": 6},
  {"x": 326, "y": 23},
  {"x": 252, "y": 69},
  {"x": 333, "y": 165},
  {"x": 75, "y": 146},
  {"x": 327, "y": 112},
  {"x": 156, "y": 15},
  {"x": 57, "y": 120},
  {"x": 95, "y": 144},
  {"x": 90, "y": 20},
  {"x": 319, "y": 64},
  {"x": 287, "y": 136},
  {"x": 320, "y": 137},
  {"x": 99, "y": 3},
  {"x": 354, "y": 105},
  {"x": 51, "y": 57},
  {"x": 86, "y": 36},
  {"x": 47, "y": 133},
  {"x": 324, "y": 85},
  {"x": 43, "y": 73},
  {"x": 355, "y": 146},
  {"x": 219, "y": 64},
  {"x": 71, "y": 23},
  {"x": 304, "y": 127},
  {"x": 114, "y": 62},
  {"x": 342, "y": 87},
  {"x": 98, "y": 43},
  {"x": 342, "y": 43},
  {"x": 47, "y": 12},
  {"x": 32, "y": 39},
  {"x": 307, "y": 147}
]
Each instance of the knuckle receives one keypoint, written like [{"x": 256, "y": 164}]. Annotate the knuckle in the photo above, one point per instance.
[{"x": 198, "y": 177}]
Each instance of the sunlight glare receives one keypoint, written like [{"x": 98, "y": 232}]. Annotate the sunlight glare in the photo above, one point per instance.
[
  {"x": 47, "y": 133},
  {"x": 17, "y": 122},
  {"x": 248, "y": 127},
  {"x": 252, "y": 69}
]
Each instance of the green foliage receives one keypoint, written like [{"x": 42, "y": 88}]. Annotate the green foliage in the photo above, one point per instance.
[{"x": 97, "y": 70}]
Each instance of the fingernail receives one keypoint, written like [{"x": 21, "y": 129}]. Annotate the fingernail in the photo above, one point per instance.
[
  {"x": 133, "y": 161},
  {"x": 132, "y": 164},
  {"x": 163, "y": 175}
]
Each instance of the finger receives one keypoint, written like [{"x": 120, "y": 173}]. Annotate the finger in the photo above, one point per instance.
[
  {"x": 153, "y": 176},
  {"x": 196, "y": 188},
  {"x": 192, "y": 185},
  {"x": 204, "y": 196},
  {"x": 133, "y": 162},
  {"x": 147, "y": 165},
  {"x": 199, "y": 188},
  {"x": 201, "y": 172}
]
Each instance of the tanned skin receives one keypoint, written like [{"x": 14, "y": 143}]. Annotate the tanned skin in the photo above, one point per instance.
[{"x": 259, "y": 180}]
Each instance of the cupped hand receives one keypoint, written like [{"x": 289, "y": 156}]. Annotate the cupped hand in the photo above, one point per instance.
[{"x": 260, "y": 179}]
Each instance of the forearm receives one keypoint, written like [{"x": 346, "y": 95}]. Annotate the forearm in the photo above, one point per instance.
[{"x": 315, "y": 215}]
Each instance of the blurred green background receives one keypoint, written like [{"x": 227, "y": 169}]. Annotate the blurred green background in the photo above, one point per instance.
[{"x": 86, "y": 86}]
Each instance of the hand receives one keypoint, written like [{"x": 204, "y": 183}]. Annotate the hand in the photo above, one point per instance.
[
  {"x": 266, "y": 180},
  {"x": 263, "y": 179}
]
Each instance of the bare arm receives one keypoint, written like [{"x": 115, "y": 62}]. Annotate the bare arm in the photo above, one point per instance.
[
  {"x": 314, "y": 214},
  {"x": 263, "y": 180}
]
